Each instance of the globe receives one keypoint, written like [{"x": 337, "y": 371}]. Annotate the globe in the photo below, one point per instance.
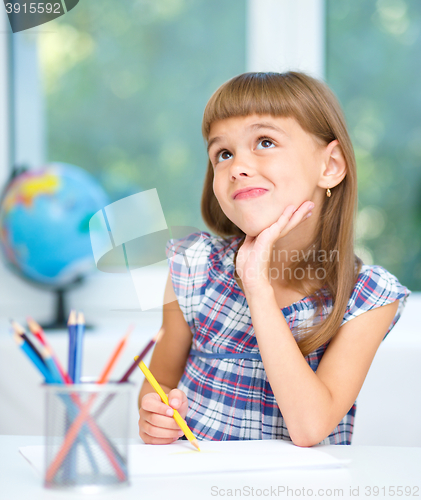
[{"x": 44, "y": 224}]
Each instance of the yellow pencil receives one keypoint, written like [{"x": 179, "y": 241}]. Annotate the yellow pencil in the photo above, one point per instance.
[{"x": 177, "y": 417}]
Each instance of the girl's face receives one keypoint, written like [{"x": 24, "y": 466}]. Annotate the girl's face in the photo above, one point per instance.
[{"x": 261, "y": 165}]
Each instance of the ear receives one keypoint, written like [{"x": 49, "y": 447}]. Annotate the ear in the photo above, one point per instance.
[{"x": 334, "y": 166}]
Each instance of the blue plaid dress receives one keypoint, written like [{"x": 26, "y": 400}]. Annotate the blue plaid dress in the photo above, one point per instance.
[{"x": 229, "y": 395}]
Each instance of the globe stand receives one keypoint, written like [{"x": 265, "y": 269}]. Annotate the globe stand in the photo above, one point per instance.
[
  {"x": 61, "y": 311},
  {"x": 60, "y": 320}
]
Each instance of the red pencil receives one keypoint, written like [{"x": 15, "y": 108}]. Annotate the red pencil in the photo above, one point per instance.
[{"x": 38, "y": 332}]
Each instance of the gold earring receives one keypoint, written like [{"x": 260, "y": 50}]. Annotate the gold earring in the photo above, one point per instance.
[{"x": 328, "y": 192}]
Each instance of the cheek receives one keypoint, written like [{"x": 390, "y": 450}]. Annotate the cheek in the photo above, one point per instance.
[
  {"x": 287, "y": 182},
  {"x": 217, "y": 189},
  {"x": 296, "y": 177}
]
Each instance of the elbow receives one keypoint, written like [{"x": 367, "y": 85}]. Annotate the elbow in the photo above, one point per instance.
[
  {"x": 308, "y": 438},
  {"x": 304, "y": 442}
]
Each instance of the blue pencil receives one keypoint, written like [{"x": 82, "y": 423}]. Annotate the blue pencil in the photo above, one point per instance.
[
  {"x": 55, "y": 374},
  {"x": 34, "y": 358},
  {"x": 70, "y": 467},
  {"x": 80, "y": 330},
  {"x": 20, "y": 331},
  {"x": 71, "y": 326}
]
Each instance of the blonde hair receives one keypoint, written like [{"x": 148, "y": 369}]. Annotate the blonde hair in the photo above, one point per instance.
[{"x": 318, "y": 112}]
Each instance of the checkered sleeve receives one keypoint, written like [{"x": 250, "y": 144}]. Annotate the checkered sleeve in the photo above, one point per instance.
[
  {"x": 188, "y": 260},
  {"x": 376, "y": 287}
]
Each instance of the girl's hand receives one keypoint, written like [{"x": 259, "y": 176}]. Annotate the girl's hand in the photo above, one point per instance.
[
  {"x": 156, "y": 424},
  {"x": 253, "y": 258}
]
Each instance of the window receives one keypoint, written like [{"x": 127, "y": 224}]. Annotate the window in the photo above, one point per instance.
[
  {"x": 119, "y": 88},
  {"x": 373, "y": 65},
  {"x": 122, "y": 88}
]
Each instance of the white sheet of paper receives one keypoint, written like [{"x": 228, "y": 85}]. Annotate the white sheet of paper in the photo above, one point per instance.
[{"x": 215, "y": 456}]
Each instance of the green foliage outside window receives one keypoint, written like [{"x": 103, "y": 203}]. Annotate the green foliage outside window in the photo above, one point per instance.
[
  {"x": 374, "y": 67},
  {"x": 126, "y": 83}
]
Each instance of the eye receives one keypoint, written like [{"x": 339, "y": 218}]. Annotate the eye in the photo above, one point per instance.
[
  {"x": 265, "y": 143},
  {"x": 222, "y": 156}
]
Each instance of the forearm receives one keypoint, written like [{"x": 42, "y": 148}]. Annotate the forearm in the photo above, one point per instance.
[{"x": 304, "y": 400}]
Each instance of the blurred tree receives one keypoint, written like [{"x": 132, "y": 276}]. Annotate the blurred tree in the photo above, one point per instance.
[
  {"x": 374, "y": 67},
  {"x": 126, "y": 84}
]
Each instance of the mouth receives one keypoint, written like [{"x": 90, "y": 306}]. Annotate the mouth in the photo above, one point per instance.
[{"x": 247, "y": 193}]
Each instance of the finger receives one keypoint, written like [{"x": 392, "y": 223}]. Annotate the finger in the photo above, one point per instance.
[
  {"x": 161, "y": 421},
  {"x": 283, "y": 220},
  {"x": 176, "y": 398},
  {"x": 152, "y": 403},
  {"x": 273, "y": 232},
  {"x": 304, "y": 210},
  {"x": 299, "y": 215},
  {"x": 152, "y": 440},
  {"x": 289, "y": 211},
  {"x": 154, "y": 433}
]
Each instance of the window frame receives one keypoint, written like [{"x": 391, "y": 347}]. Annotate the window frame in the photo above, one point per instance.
[
  {"x": 297, "y": 29},
  {"x": 6, "y": 119}
]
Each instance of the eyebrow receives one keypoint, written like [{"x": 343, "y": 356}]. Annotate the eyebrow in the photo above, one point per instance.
[{"x": 254, "y": 126}]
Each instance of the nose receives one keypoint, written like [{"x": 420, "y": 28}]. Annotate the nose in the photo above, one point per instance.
[{"x": 240, "y": 167}]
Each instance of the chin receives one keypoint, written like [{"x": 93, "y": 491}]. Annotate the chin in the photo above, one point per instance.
[{"x": 253, "y": 229}]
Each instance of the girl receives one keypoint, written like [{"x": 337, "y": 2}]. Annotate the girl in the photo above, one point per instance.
[{"x": 273, "y": 324}]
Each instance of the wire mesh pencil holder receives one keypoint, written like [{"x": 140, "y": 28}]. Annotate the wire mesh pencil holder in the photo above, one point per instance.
[{"x": 86, "y": 444}]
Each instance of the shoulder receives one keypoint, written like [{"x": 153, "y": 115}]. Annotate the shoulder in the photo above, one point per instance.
[{"x": 375, "y": 287}]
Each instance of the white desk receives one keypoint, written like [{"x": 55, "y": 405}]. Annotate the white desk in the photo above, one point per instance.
[{"x": 384, "y": 467}]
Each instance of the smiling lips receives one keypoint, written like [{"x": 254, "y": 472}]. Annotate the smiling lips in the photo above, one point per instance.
[{"x": 250, "y": 192}]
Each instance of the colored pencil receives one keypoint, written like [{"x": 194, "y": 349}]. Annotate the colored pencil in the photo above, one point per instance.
[
  {"x": 70, "y": 468},
  {"x": 80, "y": 330},
  {"x": 126, "y": 376},
  {"x": 141, "y": 355},
  {"x": 177, "y": 417},
  {"x": 20, "y": 331},
  {"x": 114, "y": 357},
  {"x": 40, "y": 365},
  {"x": 71, "y": 327},
  {"x": 46, "y": 355},
  {"x": 72, "y": 433},
  {"x": 38, "y": 332}
]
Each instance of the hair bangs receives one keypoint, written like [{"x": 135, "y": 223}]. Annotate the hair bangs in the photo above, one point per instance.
[{"x": 248, "y": 94}]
